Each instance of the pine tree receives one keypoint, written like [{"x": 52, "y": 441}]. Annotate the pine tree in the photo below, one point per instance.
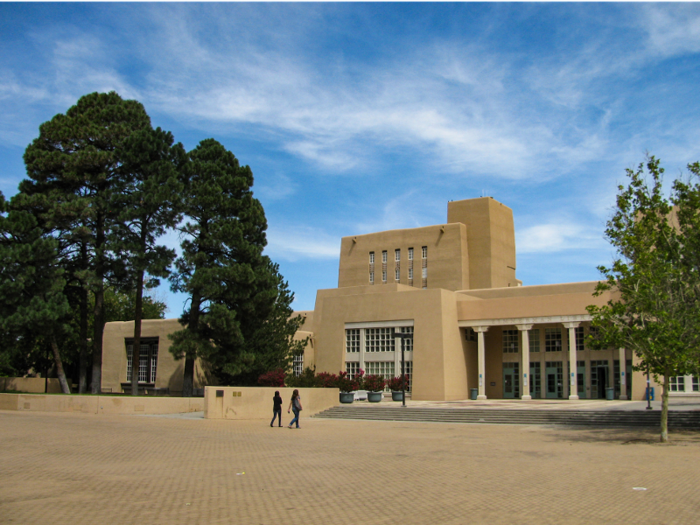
[
  {"x": 234, "y": 289},
  {"x": 74, "y": 170}
]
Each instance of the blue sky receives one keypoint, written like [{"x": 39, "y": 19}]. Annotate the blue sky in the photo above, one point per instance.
[{"x": 358, "y": 118}]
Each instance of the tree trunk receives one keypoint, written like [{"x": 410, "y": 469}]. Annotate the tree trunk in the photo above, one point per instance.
[
  {"x": 193, "y": 324},
  {"x": 83, "y": 363},
  {"x": 664, "y": 409},
  {"x": 99, "y": 319},
  {"x": 136, "y": 352},
  {"x": 65, "y": 387}
]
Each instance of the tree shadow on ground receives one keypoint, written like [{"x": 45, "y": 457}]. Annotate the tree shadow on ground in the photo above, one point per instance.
[{"x": 625, "y": 436}]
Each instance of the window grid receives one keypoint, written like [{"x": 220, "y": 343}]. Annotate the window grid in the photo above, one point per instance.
[
  {"x": 534, "y": 340},
  {"x": 677, "y": 383},
  {"x": 148, "y": 362},
  {"x": 397, "y": 255},
  {"x": 383, "y": 275},
  {"x": 384, "y": 257},
  {"x": 410, "y": 273},
  {"x": 371, "y": 277},
  {"x": 535, "y": 379},
  {"x": 379, "y": 339},
  {"x": 397, "y": 274},
  {"x": 407, "y": 343},
  {"x": 424, "y": 252},
  {"x": 410, "y": 254},
  {"x": 371, "y": 257},
  {"x": 352, "y": 340},
  {"x": 552, "y": 339},
  {"x": 380, "y": 368},
  {"x": 510, "y": 341},
  {"x": 515, "y": 387},
  {"x": 579, "y": 338},
  {"x": 352, "y": 368},
  {"x": 696, "y": 386},
  {"x": 298, "y": 366}
]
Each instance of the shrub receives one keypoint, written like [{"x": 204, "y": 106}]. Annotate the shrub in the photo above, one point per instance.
[
  {"x": 272, "y": 378},
  {"x": 396, "y": 384},
  {"x": 374, "y": 383}
]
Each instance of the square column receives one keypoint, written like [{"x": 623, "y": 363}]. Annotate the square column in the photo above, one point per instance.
[
  {"x": 573, "y": 391},
  {"x": 481, "y": 356},
  {"x": 623, "y": 375},
  {"x": 525, "y": 359}
]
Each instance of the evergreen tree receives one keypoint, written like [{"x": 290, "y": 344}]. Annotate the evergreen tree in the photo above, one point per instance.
[
  {"x": 74, "y": 169},
  {"x": 33, "y": 305},
  {"x": 149, "y": 203},
  {"x": 238, "y": 301}
]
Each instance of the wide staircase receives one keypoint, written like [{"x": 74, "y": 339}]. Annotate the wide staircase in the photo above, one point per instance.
[{"x": 589, "y": 418}]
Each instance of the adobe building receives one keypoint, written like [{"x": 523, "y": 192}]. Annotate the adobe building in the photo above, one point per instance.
[{"x": 449, "y": 297}]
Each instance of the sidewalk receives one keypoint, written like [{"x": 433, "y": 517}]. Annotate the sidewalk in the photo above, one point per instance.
[{"x": 675, "y": 403}]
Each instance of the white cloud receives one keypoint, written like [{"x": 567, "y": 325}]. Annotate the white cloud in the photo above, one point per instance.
[
  {"x": 556, "y": 237},
  {"x": 300, "y": 243}
]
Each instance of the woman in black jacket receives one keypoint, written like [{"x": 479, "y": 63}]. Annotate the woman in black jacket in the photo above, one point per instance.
[{"x": 276, "y": 408}]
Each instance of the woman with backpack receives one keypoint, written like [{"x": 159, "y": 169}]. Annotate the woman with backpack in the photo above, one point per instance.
[{"x": 295, "y": 405}]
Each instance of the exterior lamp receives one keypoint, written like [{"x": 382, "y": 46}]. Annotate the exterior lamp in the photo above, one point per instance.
[{"x": 402, "y": 336}]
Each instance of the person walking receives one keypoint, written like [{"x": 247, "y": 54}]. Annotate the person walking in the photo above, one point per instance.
[
  {"x": 295, "y": 405},
  {"x": 276, "y": 408}
]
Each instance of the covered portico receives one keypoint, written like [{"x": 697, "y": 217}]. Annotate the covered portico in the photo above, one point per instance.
[{"x": 577, "y": 379}]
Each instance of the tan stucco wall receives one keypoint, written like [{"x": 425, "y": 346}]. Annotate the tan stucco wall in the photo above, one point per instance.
[
  {"x": 256, "y": 402},
  {"x": 447, "y": 261},
  {"x": 169, "y": 373},
  {"x": 491, "y": 237},
  {"x": 30, "y": 384},
  {"x": 100, "y": 404}
]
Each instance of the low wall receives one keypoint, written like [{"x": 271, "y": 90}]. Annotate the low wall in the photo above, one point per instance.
[
  {"x": 101, "y": 404},
  {"x": 30, "y": 384},
  {"x": 256, "y": 402}
]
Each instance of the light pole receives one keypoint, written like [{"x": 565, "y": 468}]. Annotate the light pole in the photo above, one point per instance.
[{"x": 399, "y": 335}]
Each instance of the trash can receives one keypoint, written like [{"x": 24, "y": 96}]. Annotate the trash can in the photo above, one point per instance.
[
  {"x": 649, "y": 394},
  {"x": 610, "y": 393},
  {"x": 474, "y": 394}
]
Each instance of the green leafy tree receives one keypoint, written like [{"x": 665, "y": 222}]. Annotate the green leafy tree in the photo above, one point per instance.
[
  {"x": 149, "y": 203},
  {"x": 74, "y": 170},
  {"x": 33, "y": 305},
  {"x": 654, "y": 309},
  {"x": 239, "y": 307}
]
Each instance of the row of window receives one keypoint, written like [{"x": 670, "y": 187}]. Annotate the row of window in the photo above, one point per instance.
[
  {"x": 685, "y": 384},
  {"x": 552, "y": 340},
  {"x": 376, "y": 339},
  {"x": 397, "y": 274},
  {"x": 386, "y": 369},
  {"x": 397, "y": 255},
  {"x": 148, "y": 361}
]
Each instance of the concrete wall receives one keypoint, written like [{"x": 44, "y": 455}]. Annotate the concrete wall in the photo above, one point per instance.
[
  {"x": 100, "y": 404},
  {"x": 169, "y": 372},
  {"x": 256, "y": 402}
]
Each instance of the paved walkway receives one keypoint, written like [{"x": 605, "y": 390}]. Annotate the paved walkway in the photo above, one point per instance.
[
  {"x": 678, "y": 403},
  {"x": 75, "y": 468}
]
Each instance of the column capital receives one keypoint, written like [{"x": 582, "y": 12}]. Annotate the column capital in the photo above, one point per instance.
[
  {"x": 480, "y": 329},
  {"x": 524, "y": 327},
  {"x": 571, "y": 325}
]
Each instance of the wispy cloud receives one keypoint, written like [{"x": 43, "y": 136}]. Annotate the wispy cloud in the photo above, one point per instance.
[
  {"x": 301, "y": 243},
  {"x": 557, "y": 237}
]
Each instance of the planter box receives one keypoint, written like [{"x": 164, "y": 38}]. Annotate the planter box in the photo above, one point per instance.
[
  {"x": 347, "y": 397},
  {"x": 360, "y": 395},
  {"x": 396, "y": 396},
  {"x": 374, "y": 397}
]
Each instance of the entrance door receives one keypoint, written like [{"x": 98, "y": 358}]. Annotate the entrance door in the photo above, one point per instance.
[
  {"x": 511, "y": 380},
  {"x": 535, "y": 385},
  {"x": 602, "y": 373},
  {"x": 553, "y": 379},
  {"x": 581, "y": 379}
]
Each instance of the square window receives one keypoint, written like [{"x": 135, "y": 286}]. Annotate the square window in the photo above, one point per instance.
[
  {"x": 510, "y": 341},
  {"x": 552, "y": 339}
]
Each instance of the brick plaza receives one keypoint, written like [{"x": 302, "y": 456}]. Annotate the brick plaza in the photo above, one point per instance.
[{"x": 77, "y": 468}]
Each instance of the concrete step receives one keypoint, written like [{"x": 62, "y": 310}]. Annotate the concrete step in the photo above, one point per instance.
[{"x": 591, "y": 418}]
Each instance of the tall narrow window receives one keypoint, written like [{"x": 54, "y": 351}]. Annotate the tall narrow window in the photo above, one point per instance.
[
  {"x": 384, "y": 275},
  {"x": 397, "y": 255},
  {"x": 424, "y": 252},
  {"x": 579, "y": 338},
  {"x": 397, "y": 275},
  {"x": 410, "y": 254},
  {"x": 425, "y": 273},
  {"x": 371, "y": 257},
  {"x": 410, "y": 273},
  {"x": 371, "y": 277},
  {"x": 298, "y": 364},
  {"x": 148, "y": 360},
  {"x": 384, "y": 256}
]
